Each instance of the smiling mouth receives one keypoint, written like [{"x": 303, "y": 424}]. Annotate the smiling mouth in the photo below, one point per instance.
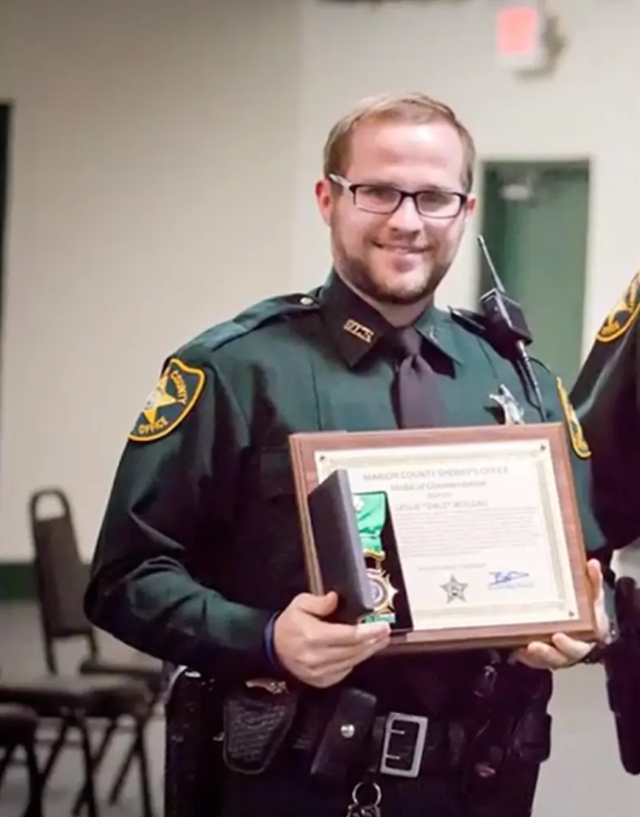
[{"x": 401, "y": 249}]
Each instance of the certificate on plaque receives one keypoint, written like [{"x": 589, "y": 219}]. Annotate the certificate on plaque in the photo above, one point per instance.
[{"x": 466, "y": 537}]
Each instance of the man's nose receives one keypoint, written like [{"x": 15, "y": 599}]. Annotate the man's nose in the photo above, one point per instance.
[{"x": 406, "y": 217}]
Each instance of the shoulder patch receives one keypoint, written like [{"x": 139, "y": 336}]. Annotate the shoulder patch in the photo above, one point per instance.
[
  {"x": 175, "y": 394},
  {"x": 578, "y": 440},
  {"x": 623, "y": 314}
]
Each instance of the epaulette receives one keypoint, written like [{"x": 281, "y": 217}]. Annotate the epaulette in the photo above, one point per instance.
[{"x": 259, "y": 314}]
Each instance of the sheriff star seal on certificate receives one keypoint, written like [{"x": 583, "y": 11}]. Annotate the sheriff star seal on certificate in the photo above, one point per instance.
[{"x": 454, "y": 590}]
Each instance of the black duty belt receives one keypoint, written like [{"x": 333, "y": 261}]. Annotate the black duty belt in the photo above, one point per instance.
[{"x": 347, "y": 736}]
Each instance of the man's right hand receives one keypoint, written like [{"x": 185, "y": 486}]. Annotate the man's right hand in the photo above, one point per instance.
[{"x": 321, "y": 653}]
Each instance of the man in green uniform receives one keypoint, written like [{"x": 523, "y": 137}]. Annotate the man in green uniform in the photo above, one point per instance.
[
  {"x": 606, "y": 395},
  {"x": 200, "y": 561},
  {"x": 607, "y": 400}
]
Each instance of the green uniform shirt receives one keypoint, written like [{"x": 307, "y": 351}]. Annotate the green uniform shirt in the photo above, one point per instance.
[
  {"x": 607, "y": 399},
  {"x": 200, "y": 542}
]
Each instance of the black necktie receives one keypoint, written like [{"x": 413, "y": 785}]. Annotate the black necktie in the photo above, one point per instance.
[{"x": 416, "y": 388}]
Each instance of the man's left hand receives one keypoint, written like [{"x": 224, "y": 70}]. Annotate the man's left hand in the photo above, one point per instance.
[{"x": 566, "y": 651}]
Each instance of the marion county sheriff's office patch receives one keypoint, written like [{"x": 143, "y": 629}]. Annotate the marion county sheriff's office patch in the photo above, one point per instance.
[
  {"x": 169, "y": 403},
  {"x": 578, "y": 440},
  {"x": 623, "y": 314}
]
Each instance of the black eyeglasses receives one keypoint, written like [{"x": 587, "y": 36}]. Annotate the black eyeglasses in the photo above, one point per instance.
[{"x": 383, "y": 199}]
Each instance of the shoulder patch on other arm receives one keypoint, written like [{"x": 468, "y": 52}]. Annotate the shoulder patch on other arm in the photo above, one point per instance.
[
  {"x": 623, "y": 314},
  {"x": 578, "y": 440},
  {"x": 175, "y": 394}
]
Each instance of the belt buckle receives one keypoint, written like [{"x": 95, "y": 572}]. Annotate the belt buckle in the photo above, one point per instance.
[{"x": 403, "y": 744}]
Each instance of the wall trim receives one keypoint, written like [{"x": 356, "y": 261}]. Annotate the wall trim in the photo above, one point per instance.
[{"x": 16, "y": 581}]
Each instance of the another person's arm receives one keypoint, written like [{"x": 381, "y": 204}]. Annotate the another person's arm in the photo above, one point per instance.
[
  {"x": 566, "y": 651},
  {"x": 606, "y": 396}
]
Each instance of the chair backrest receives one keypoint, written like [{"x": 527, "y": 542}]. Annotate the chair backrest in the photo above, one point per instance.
[{"x": 60, "y": 574}]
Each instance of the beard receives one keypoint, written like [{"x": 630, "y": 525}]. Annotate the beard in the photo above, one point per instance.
[{"x": 405, "y": 289}]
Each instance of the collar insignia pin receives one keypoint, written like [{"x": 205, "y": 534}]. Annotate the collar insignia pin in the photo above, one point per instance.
[{"x": 359, "y": 331}]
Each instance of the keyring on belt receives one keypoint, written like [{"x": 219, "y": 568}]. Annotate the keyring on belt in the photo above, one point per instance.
[{"x": 358, "y": 808}]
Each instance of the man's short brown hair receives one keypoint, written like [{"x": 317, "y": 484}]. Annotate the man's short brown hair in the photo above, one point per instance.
[{"x": 409, "y": 107}]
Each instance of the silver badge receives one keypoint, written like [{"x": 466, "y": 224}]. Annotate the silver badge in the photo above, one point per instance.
[{"x": 513, "y": 413}]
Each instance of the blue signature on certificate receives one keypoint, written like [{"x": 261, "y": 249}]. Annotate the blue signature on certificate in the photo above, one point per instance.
[{"x": 505, "y": 577}]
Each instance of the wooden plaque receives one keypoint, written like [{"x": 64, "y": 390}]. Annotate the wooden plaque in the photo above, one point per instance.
[{"x": 475, "y": 532}]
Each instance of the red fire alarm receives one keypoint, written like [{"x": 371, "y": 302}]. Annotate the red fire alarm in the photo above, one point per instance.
[{"x": 521, "y": 42}]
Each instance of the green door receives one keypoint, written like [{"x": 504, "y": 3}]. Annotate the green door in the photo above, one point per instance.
[{"x": 535, "y": 224}]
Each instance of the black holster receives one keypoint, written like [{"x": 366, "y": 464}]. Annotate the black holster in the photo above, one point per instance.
[
  {"x": 510, "y": 739},
  {"x": 263, "y": 719},
  {"x": 194, "y": 771},
  {"x": 621, "y": 661},
  {"x": 257, "y": 718}
]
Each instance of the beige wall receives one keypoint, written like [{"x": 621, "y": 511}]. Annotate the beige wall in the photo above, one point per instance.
[
  {"x": 151, "y": 195},
  {"x": 163, "y": 161}
]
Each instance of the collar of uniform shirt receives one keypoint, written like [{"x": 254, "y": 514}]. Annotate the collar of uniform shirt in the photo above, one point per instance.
[{"x": 356, "y": 326}]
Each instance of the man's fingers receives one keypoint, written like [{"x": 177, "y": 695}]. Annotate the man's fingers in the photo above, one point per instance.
[
  {"x": 315, "y": 650},
  {"x": 341, "y": 636},
  {"x": 571, "y": 649},
  {"x": 325, "y": 681},
  {"x": 540, "y": 656},
  {"x": 323, "y": 653},
  {"x": 324, "y": 672},
  {"x": 594, "y": 571},
  {"x": 564, "y": 652},
  {"x": 317, "y": 605},
  {"x": 373, "y": 630}
]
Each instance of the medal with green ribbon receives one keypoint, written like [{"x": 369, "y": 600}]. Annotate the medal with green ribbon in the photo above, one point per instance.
[{"x": 371, "y": 517}]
